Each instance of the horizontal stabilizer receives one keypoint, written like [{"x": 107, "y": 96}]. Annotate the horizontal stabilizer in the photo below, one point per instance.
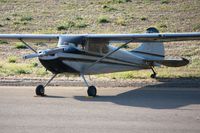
[{"x": 171, "y": 61}]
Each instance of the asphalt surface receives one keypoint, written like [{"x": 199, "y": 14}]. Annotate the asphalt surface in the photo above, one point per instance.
[{"x": 115, "y": 110}]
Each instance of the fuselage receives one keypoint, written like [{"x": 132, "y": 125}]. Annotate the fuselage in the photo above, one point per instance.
[{"x": 75, "y": 60}]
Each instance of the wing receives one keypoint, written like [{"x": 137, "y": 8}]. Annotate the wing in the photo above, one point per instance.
[
  {"x": 146, "y": 37},
  {"x": 30, "y": 37}
]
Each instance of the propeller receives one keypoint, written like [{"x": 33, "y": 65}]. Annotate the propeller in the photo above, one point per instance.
[{"x": 42, "y": 53}]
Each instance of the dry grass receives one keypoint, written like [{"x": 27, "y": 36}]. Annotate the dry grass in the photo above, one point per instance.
[{"x": 46, "y": 16}]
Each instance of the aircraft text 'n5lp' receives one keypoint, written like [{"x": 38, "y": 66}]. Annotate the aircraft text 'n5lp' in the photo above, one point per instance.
[{"x": 88, "y": 54}]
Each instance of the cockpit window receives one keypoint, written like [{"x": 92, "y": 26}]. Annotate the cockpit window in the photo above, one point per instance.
[
  {"x": 71, "y": 48},
  {"x": 100, "y": 47}
]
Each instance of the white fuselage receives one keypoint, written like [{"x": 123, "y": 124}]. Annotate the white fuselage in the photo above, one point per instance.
[{"x": 80, "y": 61}]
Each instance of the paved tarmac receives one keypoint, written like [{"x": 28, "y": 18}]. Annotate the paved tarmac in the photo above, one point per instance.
[{"x": 115, "y": 110}]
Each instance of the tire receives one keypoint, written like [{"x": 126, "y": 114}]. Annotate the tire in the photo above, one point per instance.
[
  {"x": 92, "y": 91},
  {"x": 153, "y": 76},
  {"x": 40, "y": 90}
]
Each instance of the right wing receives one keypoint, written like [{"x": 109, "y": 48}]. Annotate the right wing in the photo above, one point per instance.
[{"x": 145, "y": 37}]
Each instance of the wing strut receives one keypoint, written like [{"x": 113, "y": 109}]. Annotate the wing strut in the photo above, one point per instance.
[
  {"x": 154, "y": 73},
  {"x": 108, "y": 54},
  {"x": 28, "y": 45}
]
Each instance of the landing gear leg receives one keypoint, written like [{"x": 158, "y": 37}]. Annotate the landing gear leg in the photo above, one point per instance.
[
  {"x": 92, "y": 91},
  {"x": 40, "y": 89},
  {"x": 154, "y": 73}
]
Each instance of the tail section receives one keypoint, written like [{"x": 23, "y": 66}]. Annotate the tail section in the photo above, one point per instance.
[
  {"x": 151, "y": 50},
  {"x": 154, "y": 53}
]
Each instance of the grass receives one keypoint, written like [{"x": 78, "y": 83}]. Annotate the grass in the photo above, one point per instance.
[
  {"x": 66, "y": 26},
  {"x": 12, "y": 59},
  {"x": 121, "y": 21},
  {"x": 164, "y": 1},
  {"x": 3, "y": 42},
  {"x": 16, "y": 69},
  {"x": 143, "y": 18},
  {"x": 53, "y": 21},
  {"x": 26, "y": 18},
  {"x": 34, "y": 64},
  {"x": 163, "y": 72},
  {"x": 103, "y": 19},
  {"x": 121, "y": 1},
  {"x": 8, "y": 19},
  {"x": 2, "y": 1},
  {"x": 71, "y": 24},
  {"x": 81, "y": 24},
  {"x": 109, "y": 8},
  {"x": 10, "y": 69},
  {"x": 196, "y": 27},
  {"x": 20, "y": 45}
]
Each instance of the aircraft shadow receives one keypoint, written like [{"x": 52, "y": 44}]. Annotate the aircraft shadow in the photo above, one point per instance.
[
  {"x": 152, "y": 96},
  {"x": 50, "y": 96}
]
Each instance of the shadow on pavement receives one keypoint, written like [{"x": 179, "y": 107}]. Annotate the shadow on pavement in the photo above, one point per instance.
[
  {"x": 50, "y": 96},
  {"x": 152, "y": 96}
]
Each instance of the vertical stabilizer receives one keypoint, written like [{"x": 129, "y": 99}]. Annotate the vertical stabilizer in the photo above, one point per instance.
[{"x": 151, "y": 50}]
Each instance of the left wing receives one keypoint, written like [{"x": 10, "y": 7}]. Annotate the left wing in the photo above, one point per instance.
[{"x": 146, "y": 37}]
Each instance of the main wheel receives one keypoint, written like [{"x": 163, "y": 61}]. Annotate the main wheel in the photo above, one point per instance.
[
  {"x": 92, "y": 91},
  {"x": 153, "y": 75},
  {"x": 39, "y": 90}
]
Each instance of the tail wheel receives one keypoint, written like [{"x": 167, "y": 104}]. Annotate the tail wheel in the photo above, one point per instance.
[{"x": 92, "y": 91}]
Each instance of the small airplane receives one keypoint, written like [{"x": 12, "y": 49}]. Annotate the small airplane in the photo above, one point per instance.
[{"x": 88, "y": 54}]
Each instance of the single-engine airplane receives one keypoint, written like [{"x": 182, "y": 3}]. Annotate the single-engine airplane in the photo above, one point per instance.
[{"x": 88, "y": 54}]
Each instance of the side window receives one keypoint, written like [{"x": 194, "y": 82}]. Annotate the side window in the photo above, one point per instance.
[
  {"x": 97, "y": 46},
  {"x": 80, "y": 47},
  {"x": 105, "y": 49}
]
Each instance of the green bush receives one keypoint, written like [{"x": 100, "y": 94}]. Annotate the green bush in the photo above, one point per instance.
[
  {"x": 66, "y": 26},
  {"x": 26, "y": 18},
  {"x": 20, "y": 46},
  {"x": 164, "y": 1},
  {"x": 163, "y": 26},
  {"x": 121, "y": 1},
  {"x": 22, "y": 71},
  {"x": 143, "y": 18},
  {"x": 103, "y": 19},
  {"x": 108, "y": 8},
  {"x": 12, "y": 59},
  {"x": 81, "y": 25},
  {"x": 34, "y": 64},
  {"x": 3, "y": 42}
]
